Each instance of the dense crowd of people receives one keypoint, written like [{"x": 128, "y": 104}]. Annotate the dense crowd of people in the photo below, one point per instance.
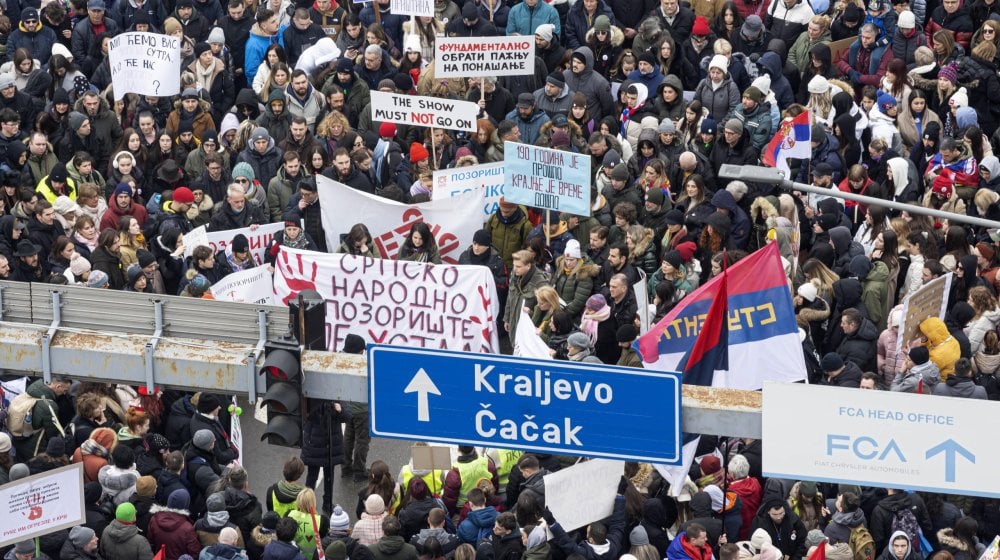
[{"x": 99, "y": 189}]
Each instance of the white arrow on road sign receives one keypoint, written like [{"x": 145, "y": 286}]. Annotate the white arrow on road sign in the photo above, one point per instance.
[{"x": 422, "y": 385}]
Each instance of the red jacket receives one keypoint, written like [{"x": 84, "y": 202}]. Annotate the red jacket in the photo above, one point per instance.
[
  {"x": 113, "y": 214},
  {"x": 959, "y": 23},
  {"x": 749, "y": 491},
  {"x": 171, "y": 527}
]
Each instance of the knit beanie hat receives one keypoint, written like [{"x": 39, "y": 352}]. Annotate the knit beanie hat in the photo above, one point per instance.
[
  {"x": 80, "y": 536},
  {"x": 960, "y": 98},
  {"x": 179, "y": 499},
  {"x": 949, "y": 72},
  {"x": 596, "y": 302},
  {"x": 18, "y": 471},
  {"x": 387, "y": 130},
  {"x": 814, "y": 538},
  {"x": 638, "y": 536},
  {"x": 243, "y": 169},
  {"x": 808, "y": 291},
  {"x": 337, "y": 550},
  {"x": 920, "y": 355},
  {"x": 374, "y": 505},
  {"x": 76, "y": 120},
  {"x": 339, "y": 520},
  {"x": 125, "y": 513},
  {"x": 418, "y": 152},
  {"x": 203, "y": 439},
  {"x": 216, "y": 502},
  {"x": 578, "y": 340},
  {"x": 759, "y": 538}
]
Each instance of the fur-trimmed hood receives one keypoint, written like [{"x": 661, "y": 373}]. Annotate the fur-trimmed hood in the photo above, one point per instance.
[
  {"x": 157, "y": 508},
  {"x": 617, "y": 36},
  {"x": 584, "y": 268},
  {"x": 765, "y": 207},
  {"x": 205, "y": 106},
  {"x": 947, "y": 537}
]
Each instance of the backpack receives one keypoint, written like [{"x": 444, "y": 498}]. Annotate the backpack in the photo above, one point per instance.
[
  {"x": 862, "y": 544},
  {"x": 19, "y": 415},
  {"x": 904, "y": 520}
]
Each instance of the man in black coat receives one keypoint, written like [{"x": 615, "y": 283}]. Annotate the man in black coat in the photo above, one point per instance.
[
  {"x": 207, "y": 418},
  {"x": 839, "y": 373},
  {"x": 785, "y": 528},
  {"x": 304, "y": 207}
]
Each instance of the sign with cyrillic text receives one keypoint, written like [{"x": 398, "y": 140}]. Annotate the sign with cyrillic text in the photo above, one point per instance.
[
  {"x": 412, "y": 8},
  {"x": 42, "y": 504},
  {"x": 413, "y": 304},
  {"x": 145, "y": 64},
  {"x": 419, "y": 110},
  {"x": 487, "y": 177},
  {"x": 462, "y": 57},
  {"x": 253, "y": 285},
  {"x": 259, "y": 238},
  {"x": 547, "y": 179}
]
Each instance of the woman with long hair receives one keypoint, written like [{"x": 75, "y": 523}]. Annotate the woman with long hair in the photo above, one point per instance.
[
  {"x": 131, "y": 240},
  {"x": 887, "y": 251},
  {"x": 481, "y": 141},
  {"x": 331, "y": 131},
  {"x": 987, "y": 317},
  {"x": 316, "y": 161},
  {"x": 875, "y": 223},
  {"x": 820, "y": 103},
  {"x": 897, "y": 83},
  {"x": 694, "y": 201},
  {"x": 727, "y": 21},
  {"x": 548, "y": 305},
  {"x": 813, "y": 269},
  {"x": 274, "y": 54},
  {"x": 844, "y": 131},
  {"x": 945, "y": 49},
  {"x": 626, "y": 63},
  {"x": 63, "y": 253},
  {"x": 419, "y": 245},
  {"x": 64, "y": 72},
  {"x": 277, "y": 79},
  {"x": 358, "y": 241},
  {"x": 380, "y": 482},
  {"x": 914, "y": 119},
  {"x": 956, "y": 246},
  {"x": 690, "y": 126}
]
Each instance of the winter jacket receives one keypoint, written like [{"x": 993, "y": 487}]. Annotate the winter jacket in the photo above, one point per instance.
[
  {"x": 772, "y": 64},
  {"x": 719, "y": 101},
  {"x": 322, "y": 443},
  {"x": 905, "y": 48},
  {"x": 83, "y": 39},
  {"x": 959, "y": 23},
  {"x": 788, "y": 23},
  {"x": 859, "y": 347},
  {"x": 44, "y": 416},
  {"x": 281, "y": 550},
  {"x": 479, "y": 521},
  {"x": 593, "y": 85},
  {"x": 173, "y": 528},
  {"x": 963, "y": 387},
  {"x": 530, "y": 128},
  {"x": 224, "y": 451},
  {"x": 265, "y": 165},
  {"x": 509, "y": 234},
  {"x": 394, "y": 548},
  {"x": 756, "y": 124},
  {"x": 789, "y": 537},
  {"x": 121, "y": 541},
  {"x": 874, "y": 294},
  {"x": 985, "y": 323},
  {"x": 882, "y": 516},
  {"x": 944, "y": 349},
  {"x": 524, "y": 20},
  {"x": 610, "y": 550},
  {"x": 39, "y": 43},
  {"x": 256, "y": 45},
  {"x": 798, "y": 53}
]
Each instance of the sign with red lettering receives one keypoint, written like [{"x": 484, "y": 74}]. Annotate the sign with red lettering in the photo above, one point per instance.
[
  {"x": 463, "y": 57},
  {"x": 452, "y": 220},
  {"x": 419, "y": 110},
  {"x": 402, "y": 303},
  {"x": 259, "y": 238},
  {"x": 42, "y": 504}
]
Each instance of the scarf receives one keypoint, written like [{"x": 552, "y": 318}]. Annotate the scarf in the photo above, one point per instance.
[
  {"x": 590, "y": 320},
  {"x": 378, "y": 156},
  {"x": 299, "y": 242},
  {"x": 236, "y": 266},
  {"x": 92, "y": 245},
  {"x": 205, "y": 75}
]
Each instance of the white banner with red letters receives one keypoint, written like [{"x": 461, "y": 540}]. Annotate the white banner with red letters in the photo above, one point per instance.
[
  {"x": 395, "y": 302},
  {"x": 259, "y": 238},
  {"x": 452, "y": 220},
  {"x": 463, "y": 57}
]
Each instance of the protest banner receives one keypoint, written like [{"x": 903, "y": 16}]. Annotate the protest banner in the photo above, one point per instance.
[
  {"x": 837, "y": 48},
  {"x": 395, "y": 302},
  {"x": 547, "y": 179},
  {"x": 412, "y": 8},
  {"x": 145, "y": 64},
  {"x": 253, "y": 285},
  {"x": 992, "y": 551},
  {"x": 572, "y": 508},
  {"x": 419, "y": 110},
  {"x": 452, "y": 220},
  {"x": 42, "y": 504},
  {"x": 931, "y": 300},
  {"x": 487, "y": 177},
  {"x": 259, "y": 239},
  {"x": 527, "y": 343},
  {"x": 463, "y": 57}
]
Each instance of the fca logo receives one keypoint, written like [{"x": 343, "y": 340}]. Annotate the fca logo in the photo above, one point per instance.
[{"x": 865, "y": 447}]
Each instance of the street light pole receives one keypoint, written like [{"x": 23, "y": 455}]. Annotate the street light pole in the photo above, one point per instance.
[{"x": 772, "y": 176}]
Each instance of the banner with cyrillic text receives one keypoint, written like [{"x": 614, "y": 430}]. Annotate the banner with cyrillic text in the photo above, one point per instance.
[
  {"x": 42, "y": 504},
  {"x": 417, "y": 8},
  {"x": 145, "y": 64},
  {"x": 253, "y": 285},
  {"x": 487, "y": 177},
  {"x": 420, "y": 110},
  {"x": 259, "y": 238},
  {"x": 395, "y": 302},
  {"x": 453, "y": 221},
  {"x": 463, "y": 57},
  {"x": 546, "y": 178}
]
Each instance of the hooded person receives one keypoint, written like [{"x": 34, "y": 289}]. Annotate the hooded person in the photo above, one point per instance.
[
  {"x": 919, "y": 374},
  {"x": 121, "y": 539},
  {"x": 944, "y": 349},
  {"x": 170, "y": 526},
  {"x": 581, "y": 77},
  {"x": 845, "y": 249}
]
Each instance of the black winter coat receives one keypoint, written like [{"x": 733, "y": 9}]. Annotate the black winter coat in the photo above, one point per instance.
[
  {"x": 322, "y": 442},
  {"x": 107, "y": 262},
  {"x": 223, "y": 450},
  {"x": 859, "y": 347}
]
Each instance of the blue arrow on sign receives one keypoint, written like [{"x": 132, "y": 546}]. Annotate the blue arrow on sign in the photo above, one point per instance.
[
  {"x": 519, "y": 403},
  {"x": 950, "y": 448}
]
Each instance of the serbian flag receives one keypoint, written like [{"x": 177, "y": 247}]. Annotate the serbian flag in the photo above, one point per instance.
[
  {"x": 791, "y": 141},
  {"x": 761, "y": 334}
]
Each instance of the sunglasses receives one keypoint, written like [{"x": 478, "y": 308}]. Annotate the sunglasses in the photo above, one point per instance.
[{"x": 241, "y": 181}]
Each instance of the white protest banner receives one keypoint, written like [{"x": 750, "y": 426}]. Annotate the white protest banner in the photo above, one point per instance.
[
  {"x": 453, "y": 221},
  {"x": 253, "y": 285},
  {"x": 419, "y": 110},
  {"x": 487, "y": 177},
  {"x": 259, "y": 239},
  {"x": 412, "y": 8},
  {"x": 573, "y": 509},
  {"x": 235, "y": 430},
  {"x": 546, "y": 178},
  {"x": 42, "y": 504},
  {"x": 527, "y": 343},
  {"x": 463, "y": 57},
  {"x": 395, "y": 302},
  {"x": 145, "y": 64}
]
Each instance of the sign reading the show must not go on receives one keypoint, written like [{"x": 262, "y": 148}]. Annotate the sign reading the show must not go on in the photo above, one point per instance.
[
  {"x": 419, "y": 110},
  {"x": 547, "y": 179},
  {"x": 880, "y": 438}
]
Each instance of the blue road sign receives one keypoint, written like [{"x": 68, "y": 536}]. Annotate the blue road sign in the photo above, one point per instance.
[{"x": 538, "y": 405}]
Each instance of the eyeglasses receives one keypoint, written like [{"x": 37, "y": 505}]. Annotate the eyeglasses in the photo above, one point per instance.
[{"x": 241, "y": 181}]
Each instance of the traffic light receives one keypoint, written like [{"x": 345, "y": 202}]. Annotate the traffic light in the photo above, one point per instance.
[{"x": 284, "y": 400}]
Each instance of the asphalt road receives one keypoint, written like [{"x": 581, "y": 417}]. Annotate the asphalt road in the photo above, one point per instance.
[{"x": 264, "y": 462}]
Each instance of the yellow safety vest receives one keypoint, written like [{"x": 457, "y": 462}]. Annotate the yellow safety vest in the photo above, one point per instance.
[
  {"x": 470, "y": 474},
  {"x": 305, "y": 537},
  {"x": 279, "y": 507},
  {"x": 433, "y": 479},
  {"x": 508, "y": 459}
]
